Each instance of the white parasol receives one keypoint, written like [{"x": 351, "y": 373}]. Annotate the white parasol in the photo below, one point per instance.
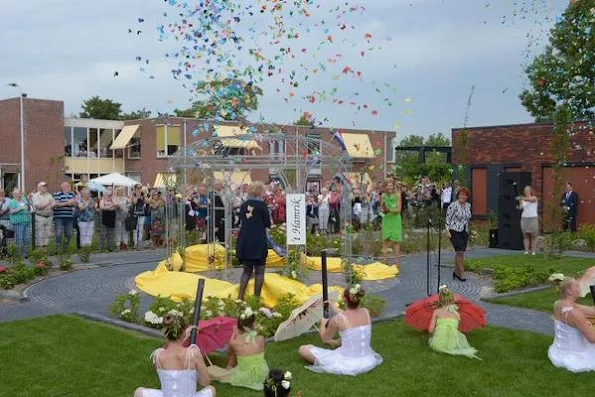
[{"x": 303, "y": 318}]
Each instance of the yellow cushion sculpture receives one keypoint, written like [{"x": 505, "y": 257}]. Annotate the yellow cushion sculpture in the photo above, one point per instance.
[{"x": 179, "y": 285}]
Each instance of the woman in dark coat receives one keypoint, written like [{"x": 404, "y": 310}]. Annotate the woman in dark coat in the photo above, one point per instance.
[{"x": 252, "y": 248}]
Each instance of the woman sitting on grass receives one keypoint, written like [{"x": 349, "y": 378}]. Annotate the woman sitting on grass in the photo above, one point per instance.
[
  {"x": 574, "y": 341},
  {"x": 353, "y": 355},
  {"x": 278, "y": 384},
  {"x": 178, "y": 366},
  {"x": 247, "y": 366},
  {"x": 444, "y": 327}
]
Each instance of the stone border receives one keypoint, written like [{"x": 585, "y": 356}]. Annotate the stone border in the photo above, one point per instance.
[{"x": 516, "y": 292}]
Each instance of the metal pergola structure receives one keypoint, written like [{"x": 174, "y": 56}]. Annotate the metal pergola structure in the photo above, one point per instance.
[{"x": 206, "y": 160}]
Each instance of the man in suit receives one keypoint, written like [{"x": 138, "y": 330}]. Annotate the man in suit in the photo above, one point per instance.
[{"x": 570, "y": 206}]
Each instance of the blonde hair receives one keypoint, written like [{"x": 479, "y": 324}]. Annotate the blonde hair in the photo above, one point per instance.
[
  {"x": 565, "y": 285},
  {"x": 445, "y": 297},
  {"x": 531, "y": 190},
  {"x": 256, "y": 189},
  {"x": 119, "y": 191}
]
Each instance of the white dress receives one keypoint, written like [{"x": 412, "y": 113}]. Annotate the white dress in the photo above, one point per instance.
[
  {"x": 570, "y": 349},
  {"x": 177, "y": 383},
  {"x": 355, "y": 355}
]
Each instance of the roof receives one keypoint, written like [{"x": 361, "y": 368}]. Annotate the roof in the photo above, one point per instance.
[{"x": 548, "y": 123}]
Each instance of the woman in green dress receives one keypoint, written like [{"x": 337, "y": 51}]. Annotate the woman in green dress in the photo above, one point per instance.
[
  {"x": 444, "y": 326},
  {"x": 247, "y": 366},
  {"x": 392, "y": 233}
]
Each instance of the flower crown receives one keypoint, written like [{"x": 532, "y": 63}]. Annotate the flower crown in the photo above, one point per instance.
[
  {"x": 173, "y": 324},
  {"x": 355, "y": 292},
  {"x": 445, "y": 295},
  {"x": 556, "y": 279},
  {"x": 272, "y": 383},
  {"x": 246, "y": 313}
]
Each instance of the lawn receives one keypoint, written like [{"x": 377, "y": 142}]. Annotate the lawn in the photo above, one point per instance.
[
  {"x": 67, "y": 356},
  {"x": 518, "y": 271},
  {"x": 538, "y": 300}
]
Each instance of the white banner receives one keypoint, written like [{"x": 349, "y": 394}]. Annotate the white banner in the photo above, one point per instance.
[{"x": 296, "y": 219}]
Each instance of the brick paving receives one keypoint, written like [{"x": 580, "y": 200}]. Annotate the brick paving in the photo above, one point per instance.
[{"x": 92, "y": 290}]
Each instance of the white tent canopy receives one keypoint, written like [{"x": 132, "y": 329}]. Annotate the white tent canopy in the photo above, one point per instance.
[{"x": 115, "y": 179}]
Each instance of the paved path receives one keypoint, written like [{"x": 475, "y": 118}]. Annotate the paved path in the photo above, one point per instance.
[{"x": 93, "y": 290}]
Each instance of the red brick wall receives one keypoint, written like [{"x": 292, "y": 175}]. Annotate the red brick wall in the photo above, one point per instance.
[
  {"x": 44, "y": 139},
  {"x": 530, "y": 145}
]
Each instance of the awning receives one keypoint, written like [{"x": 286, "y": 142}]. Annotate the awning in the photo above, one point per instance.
[
  {"x": 125, "y": 136},
  {"x": 164, "y": 180},
  {"x": 227, "y": 131},
  {"x": 235, "y": 178},
  {"x": 358, "y": 146},
  {"x": 357, "y": 178}
]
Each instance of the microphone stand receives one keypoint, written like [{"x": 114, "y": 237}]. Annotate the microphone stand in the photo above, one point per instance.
[
  {"x": 440, "y": 231},
  {"x": 428, "y": 257}
]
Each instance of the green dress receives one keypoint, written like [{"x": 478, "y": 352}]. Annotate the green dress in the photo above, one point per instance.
[
  {"x": 251, "y": 372},
  {"x": 391, "y": 223},
  {"x": 448, "y": 339}
]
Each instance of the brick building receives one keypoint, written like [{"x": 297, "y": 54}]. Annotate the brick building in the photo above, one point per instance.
[
  {"x": 525, "y": 148},
  {"x": 58, "y": 148}
]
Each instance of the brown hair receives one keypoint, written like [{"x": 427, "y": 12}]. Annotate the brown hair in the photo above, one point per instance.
[
  {"x": 465, "y": 191},
  {"x": 352, "y": 301},
  {"x": 174, "y": 327},
  {"x": 247, "y": 322}
]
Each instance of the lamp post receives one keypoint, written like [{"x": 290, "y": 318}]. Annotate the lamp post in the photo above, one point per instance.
[{"x": 21, "y": 96}]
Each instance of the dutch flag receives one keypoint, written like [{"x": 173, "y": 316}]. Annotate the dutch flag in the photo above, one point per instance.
[{"x": 339, "y": 138}]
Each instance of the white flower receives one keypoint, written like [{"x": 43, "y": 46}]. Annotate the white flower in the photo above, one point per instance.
[
  {"x": 287, "y": 376},
  {"x": 161, "y": 309},
  {"x": 248, "y": 312},
  {"x": 286, "y": 384},
  {"x": 208, "y": 313},
  {"x": 239, "y": 301},
  {"x": 352, "y": 291},
  {"x": 266, "y": 311},
  {"x": 152, "y": 318},
  {"x": 357, "y": 286},
  {"x": 125, "y": 312},
  {"x": 556, "y": 277},
  {"x": 277, "y": 314},
  {"x": 442, "y": 287},
  {"x": 220, "y": 305},
  {"x": 133, "y": 292},
  {"x": 176, "y": 313},
  {"x": 293, "y": 274}
]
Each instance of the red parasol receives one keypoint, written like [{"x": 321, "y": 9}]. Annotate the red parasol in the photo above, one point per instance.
[
  {"x": 419, "y": 314},
  {"x": 214, "y": 334}
]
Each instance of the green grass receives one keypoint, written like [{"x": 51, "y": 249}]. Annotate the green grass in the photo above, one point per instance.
[
  {"x": 537, "y": 300},
  {"x": 67, "y": 356},
  {"x": 518, "y": 271}
]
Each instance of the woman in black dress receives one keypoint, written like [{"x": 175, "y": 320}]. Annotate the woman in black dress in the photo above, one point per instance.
[{"x": 252, "y": 248}]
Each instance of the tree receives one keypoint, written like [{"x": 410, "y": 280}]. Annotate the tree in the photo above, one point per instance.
[
  {"x": 564, "y": 73},
  {"x": 104, "y": 109},
  {"x": 409, "y": 166},
  {"x": 305, "y": 119},
  {"x": 137, "y": 115},
  {"x": 228, "y": 99}
]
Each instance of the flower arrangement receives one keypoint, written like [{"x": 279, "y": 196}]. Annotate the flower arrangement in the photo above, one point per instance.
[
  {"x": 278, "y": 379},
  {"x": 555, "y": 279},
  {"x": 126, "y": 306}
]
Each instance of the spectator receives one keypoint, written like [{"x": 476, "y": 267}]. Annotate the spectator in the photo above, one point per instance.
[
  {"x": 122, "y": 210},
  {"x": 64, "y": 205},
  {"x": 157, "y": 230},
  {"x": 4, "y": 210},
  {"x": 20, "y": 219},
  {"x": 85, "y": 217},
  {"x": 446, "y": 196},
  {"x": 108, "y": 221},
  {"x": 323, "y": 210},
  {"x": 570, "y": 206},
  {"x": 139, "y": 204},
  {"x": 42, "y": 202}
]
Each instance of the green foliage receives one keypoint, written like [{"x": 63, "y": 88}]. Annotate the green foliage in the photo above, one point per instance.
[
  {"x": 564, "y": 72},
  {"x": 409, "y": 167},
  {"x": 296, "y": 266},
  {"x": 65, "y": 262},
  {"x": 559, "y": 242},
  {"x": 85, "y": 254},
  {"x": 537, "y": 300},
  {"x": 230, "y": 99},
  {"x": 374, "y": 304},
  {"x": 587, "y": 233},
  {"x": 39, "y": 256},
  {"x": 137, "y": 115},
  {"x": 305, "y": 119},
  {"x": 104, "y": 109},
  {"x": 126, "y": 307},
  {"x": 511, "y": 278}
]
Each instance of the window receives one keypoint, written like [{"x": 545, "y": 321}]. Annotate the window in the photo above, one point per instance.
[
  {"x": 68, "y": 141},
  {"x": 134, "y": 146},
  {"x": 93, "y": 143},
  {"x": 135, "y": 176},
  {"x": 79, "y": 142},
  {"x": 168, "y": 140},
  {"x": 390, "y": 153},
  {"x": 314, "y": 154},
  {"x": 106, "y": 137}
]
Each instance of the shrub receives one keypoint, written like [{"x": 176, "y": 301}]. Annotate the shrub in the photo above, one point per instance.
[
  {"x": 84, "y": 255},
  {"x": 510, "y": 278},
  {"x": 65, "y": 262},
  {"x": 126, "y": 307},
  {"x": 587, "y": 233}
]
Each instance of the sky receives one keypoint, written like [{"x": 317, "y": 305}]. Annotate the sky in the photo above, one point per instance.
[{"x": 429, "y": 52}]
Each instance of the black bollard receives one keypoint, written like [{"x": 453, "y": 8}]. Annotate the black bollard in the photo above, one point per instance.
[
  {"x": 324, "y": 283},
  {"x": 197, "y": 306}
]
